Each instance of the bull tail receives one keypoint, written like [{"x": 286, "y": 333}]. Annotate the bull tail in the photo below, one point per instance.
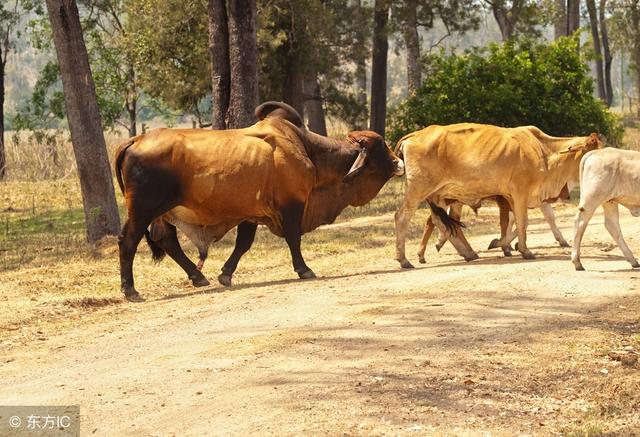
[
  {"x": 450, "y": 223},
  {"x": 122, "y": 148},
  {"x": 157, "y": 253}
]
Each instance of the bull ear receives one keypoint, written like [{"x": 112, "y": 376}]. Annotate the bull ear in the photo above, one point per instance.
[{"x": 358, "y": 165}]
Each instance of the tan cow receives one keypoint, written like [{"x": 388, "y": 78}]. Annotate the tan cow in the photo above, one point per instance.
[{"x": 470, "y": 162}]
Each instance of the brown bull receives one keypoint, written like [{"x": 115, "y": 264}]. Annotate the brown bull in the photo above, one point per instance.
[
  {"x": 274, "y": 173},
  {"x": 470, "y": 162}
]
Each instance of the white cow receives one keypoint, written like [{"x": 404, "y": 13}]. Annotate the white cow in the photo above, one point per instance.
[{"x": 608, "y": 177}]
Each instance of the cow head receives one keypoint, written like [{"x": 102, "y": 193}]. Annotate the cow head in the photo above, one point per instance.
[
  {"x": 592, "y": 142},
  {"x": 375, "y": 163}
]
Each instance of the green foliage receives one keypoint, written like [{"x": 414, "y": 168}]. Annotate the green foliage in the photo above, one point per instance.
[
  {"x": 517, "y": 83},
  {"x": 170, "y": 44}
]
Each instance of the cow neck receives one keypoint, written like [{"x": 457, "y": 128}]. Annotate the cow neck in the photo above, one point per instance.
[
  {"x": 330, "y": 195},
  {"x": 331, "y": 157},
  {"x": 561, "y": 166}
]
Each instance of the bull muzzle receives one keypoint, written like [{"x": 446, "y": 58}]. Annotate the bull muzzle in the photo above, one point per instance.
[{"x": 399, "y": 171}]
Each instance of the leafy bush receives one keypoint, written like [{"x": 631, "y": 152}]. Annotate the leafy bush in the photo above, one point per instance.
[{"x": 512, "y": 84}]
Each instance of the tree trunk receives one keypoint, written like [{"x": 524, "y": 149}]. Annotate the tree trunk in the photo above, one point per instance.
[
  {"x": 3, "y": 153},
  {"x": 379, "y": 68},
  {"x": 505, "y": 20},
  {"x": 243, "y": 60},
  {"x": 606, "y": 53},
  {"x": 132, "y": 102},
  {"x": 132, "y": 110},
  {"x": 96, "y": 182},
  {"x": 220, "y": 68},
  {"x": 412, "y": 41},
  {"x": 573, "y": 16},
  {"x": 293, "y": 86},
  {"x": 560, "y": 19},
  {"x": 595, "y": 36},
  {"x": 313, "y": 105},
  {"x": 361, "y": 71}
]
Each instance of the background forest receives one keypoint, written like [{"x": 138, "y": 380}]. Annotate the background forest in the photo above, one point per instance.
[{"x": 567, "y": 66}]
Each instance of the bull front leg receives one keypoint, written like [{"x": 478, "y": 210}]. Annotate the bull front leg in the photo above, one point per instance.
[
  {"x": 520, "y": 211},
  {"x": 412, "y": 199},
  {"x": 292, "y": 227},
  {"x": 244, "y": 239}
]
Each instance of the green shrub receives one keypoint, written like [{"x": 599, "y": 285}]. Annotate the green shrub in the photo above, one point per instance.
[{"x": 511, "y": 84}]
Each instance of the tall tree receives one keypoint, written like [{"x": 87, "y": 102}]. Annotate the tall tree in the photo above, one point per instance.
[
  {"x": 595, "y": 36},
  {"x": 96, "y": 182},
  {"x": 606, "y": 53},
  {"x": 559, "y": 18},
  {"x": 516, "y": 17},
  {"x": 411, "y": 15},
  {"x": 9, "y": 16},
  {"x": 573, "y": 16},
  {"x": 378, "y": 112},
  {"x": 220, "y": 68},
  {"x": 625, "y": 25}
]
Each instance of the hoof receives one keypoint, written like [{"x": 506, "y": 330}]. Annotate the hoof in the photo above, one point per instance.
[
  {"x": 200, "y": 281},
  {"x": 471, "y": 257},
  {"x": 507, "y": 252},
  {"x": 406, "y": 264},
  {"x": 563, "y": 243},
  {"x": 307, "y": 275},
  {"x": 439, "y": 246},
  {"x": 224, "y": 279},
  {"x": 635, "y": 265},
  {"x": 579, "y": 268},
  {"x": 422, "y": 260},
  {"x": 527, "y": 254},
  {"x": 133, "y": 296},
  {"x": 494, "y": 243}
]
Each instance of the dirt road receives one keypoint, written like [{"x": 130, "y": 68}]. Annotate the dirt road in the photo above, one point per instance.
[{"x": 492, "y": 347}]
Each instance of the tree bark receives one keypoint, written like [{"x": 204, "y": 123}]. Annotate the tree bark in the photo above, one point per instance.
[
  {"x": 606, "y": 53},
  {"x": 96, "y": 182},
  {"x": 243, "y": 60},
  {"x": 293, "y": 85},
  {"x": 412, "y": 42},
  {"x": 560, "y": 19},
  {"x": 221, "y": 70},
  {"x": 595, "y": 36},
  {"x": 378, "y": 111},
  {"x": 361, "y": 70},
  {"x": 313, "y": 105},
  {"x": 573, "y": 16}
]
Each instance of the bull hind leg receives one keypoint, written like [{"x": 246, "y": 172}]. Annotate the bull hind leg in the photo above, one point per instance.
[
  {"x": 292, "y": 226},
  {"x": 612, "y": 223},
  {"x": 149, "y": 193},
  {"x": 165, "y": 236},
  {"x": 244, "y": 240},
  {"x": 450, "y": 228},
  {"x": 506, "y": 227}
]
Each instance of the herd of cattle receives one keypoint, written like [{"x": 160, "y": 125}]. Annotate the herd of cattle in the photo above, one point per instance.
[{"x": 279, "y": 174}]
